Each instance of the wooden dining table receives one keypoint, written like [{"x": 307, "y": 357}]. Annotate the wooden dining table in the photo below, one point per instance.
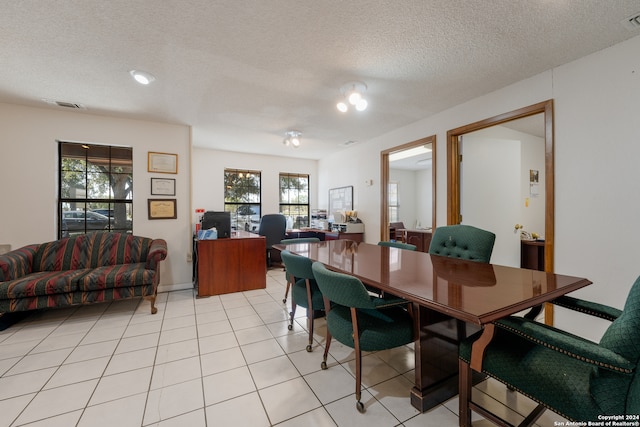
[{"x": 451, "y": 299}]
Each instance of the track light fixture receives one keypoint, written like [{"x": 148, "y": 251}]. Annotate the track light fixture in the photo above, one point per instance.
[
  {"x": 353, "y": 95},
  {"x": 292, "y": 137}
]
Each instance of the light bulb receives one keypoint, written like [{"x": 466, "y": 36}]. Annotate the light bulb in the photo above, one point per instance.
[
  {"x": 362, "y": 104},
  {"x": 342, "y": 107},
  {"x": 295, "y": 141},
  {"x": 354, "y": 98},
  {"x": 142, "y": 77}
]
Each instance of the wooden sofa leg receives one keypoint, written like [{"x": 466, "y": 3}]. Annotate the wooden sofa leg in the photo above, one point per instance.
[{"x": 152, "y": 299}]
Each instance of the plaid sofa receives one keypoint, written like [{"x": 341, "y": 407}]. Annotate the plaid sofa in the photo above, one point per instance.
[{"x": 82, "y": 269}]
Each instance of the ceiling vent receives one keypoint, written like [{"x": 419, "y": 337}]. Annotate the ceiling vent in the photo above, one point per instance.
[
  {"x": 348, "y": 143},
  {"x": 632, "y": 22},
  {"x": 73, "y": 105}
]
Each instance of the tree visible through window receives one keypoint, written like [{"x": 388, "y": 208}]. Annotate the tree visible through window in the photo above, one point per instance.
[
  {"x": 95, "y": 188},
  {"x": 242, "y": 189},
  {"x": 294, "y": 198}
]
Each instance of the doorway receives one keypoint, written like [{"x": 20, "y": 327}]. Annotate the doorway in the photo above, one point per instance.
[
  {"x": 454, "y": 200},
  {"x": 410, "y": 160}
]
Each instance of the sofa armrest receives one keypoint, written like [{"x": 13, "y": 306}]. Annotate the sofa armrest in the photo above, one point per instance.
[
  {"x": 17, "y": 263},
  {"x": 567, "y": 344},
  {"x": 157, "y": 253},
  {"x": 588, "y": 307}
]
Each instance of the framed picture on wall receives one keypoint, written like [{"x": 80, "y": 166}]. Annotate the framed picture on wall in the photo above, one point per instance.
[
  {"x": 163, "y": 187},
  {"x": 162, "y": 209},
  {"x": 340, "y": 199},
  {"x": 162, "y": 162}
]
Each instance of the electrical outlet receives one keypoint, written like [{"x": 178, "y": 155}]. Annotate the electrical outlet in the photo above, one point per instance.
[{"x": 189, "y": 257}]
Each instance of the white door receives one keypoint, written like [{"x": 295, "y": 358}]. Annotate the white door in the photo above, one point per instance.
[{"x": 490, "y": 192}]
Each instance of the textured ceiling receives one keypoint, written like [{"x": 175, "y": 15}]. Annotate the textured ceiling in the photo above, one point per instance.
[{"x": 243, "y": 72}]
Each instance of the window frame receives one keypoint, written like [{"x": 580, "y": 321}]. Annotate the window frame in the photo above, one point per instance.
[
  {"x": 252, "y": 199},
  {"x": 286, "y": 206},
  {"x": 122, "y": 207}
]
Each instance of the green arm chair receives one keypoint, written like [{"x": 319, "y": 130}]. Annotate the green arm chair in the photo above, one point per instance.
[
  {"x": 305, "y": 291},
  {"x": 462, "y": 241},
  {"x": 398, "y": 245},
  {"x": 579, "y": 379},
  {"x": 359, "y": 320},
  {"x": 290, "y": 279}
]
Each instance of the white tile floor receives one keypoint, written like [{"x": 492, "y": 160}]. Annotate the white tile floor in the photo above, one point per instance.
[{"x": 221, "y": 361}]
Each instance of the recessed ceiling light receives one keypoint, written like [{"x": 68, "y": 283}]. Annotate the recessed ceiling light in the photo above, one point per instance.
[{"x": 142, "y": 77}]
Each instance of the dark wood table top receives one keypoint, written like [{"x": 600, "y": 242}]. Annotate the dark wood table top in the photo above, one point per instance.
[{"x": 470, "y": 291}]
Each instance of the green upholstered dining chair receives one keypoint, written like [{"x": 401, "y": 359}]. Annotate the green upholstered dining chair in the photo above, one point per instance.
[
  {"x": 462, "y": 241},
  {"x": 290, "y": 279},
  {"x": 579, "y": 379},
  {"x": 359, "y": 320},
  {"x": 304, "y": 292},
  {"x": 398, "y": 245}
]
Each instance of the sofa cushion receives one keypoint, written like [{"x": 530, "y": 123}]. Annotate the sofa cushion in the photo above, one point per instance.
[
  {"x": 42, "y": 283},
  {"x": 91, "y": 250},
  {"x": 116, "y": 276}
]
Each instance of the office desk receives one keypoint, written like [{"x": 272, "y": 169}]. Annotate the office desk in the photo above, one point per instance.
[
  {"x": 442, "y": 290},
  {"x": 232, "y": 265},
  {"x": 324, "y": 234}
]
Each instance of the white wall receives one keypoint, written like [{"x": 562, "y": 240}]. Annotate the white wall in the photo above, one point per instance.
[
  {"x": 28, "y": 174},
  {"x": 208, "y": 177},
  {"x": 407, "y": 211},
  {"x": 414, "y": 195},
  {"x": 596, "y": 100}
]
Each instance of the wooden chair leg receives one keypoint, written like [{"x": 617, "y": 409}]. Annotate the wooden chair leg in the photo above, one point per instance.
[
  {"x": 310, "y": 313},
  {"x": 286, "y": 291},
  {"x": 327, "y": 344},
  {"x": 464, "y": 387},
  {"x": 356, "y": 347}
]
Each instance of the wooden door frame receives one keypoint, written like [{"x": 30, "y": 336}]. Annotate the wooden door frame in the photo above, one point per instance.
[
  {"x": 384, "y": 181},
  {"x": 453, "y": 173}
]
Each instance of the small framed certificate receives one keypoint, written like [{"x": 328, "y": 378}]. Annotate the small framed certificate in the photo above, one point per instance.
[
  {"x": 162, "y": 209},
  {"x": 163, "y": 187},
  {"x": 162, "y": 162}
]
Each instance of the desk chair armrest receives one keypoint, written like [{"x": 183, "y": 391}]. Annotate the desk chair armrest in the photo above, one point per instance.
[
  {"x": 588, "y": 307},
  {"x": 567, "y": 344}
]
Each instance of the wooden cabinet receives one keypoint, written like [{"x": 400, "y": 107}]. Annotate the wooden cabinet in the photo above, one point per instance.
[
  {"x": 532, "y": 254},
  {"x": 325, "y": 235},
  {"x": 420, "y": 238},
  {"x": 232, "y": 265}
]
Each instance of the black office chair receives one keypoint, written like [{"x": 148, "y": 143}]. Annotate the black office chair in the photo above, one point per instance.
[
  {"x": 273, "y": 227},
  {"x": 290, "y": 278}
]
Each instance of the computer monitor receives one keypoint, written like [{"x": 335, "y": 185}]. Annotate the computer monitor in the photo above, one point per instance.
[{"x": 220, "y": 220}]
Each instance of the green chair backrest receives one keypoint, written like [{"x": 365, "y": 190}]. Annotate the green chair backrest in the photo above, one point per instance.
[
  {"x": 462, "y": 241},
  {"x": 399, "y": 245},
  {"x": 296, "y": 265},
  {"x": 623, "y": 337},
  {"x": 341, "y": 288},
  {"x": 299, "y": 240}
]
